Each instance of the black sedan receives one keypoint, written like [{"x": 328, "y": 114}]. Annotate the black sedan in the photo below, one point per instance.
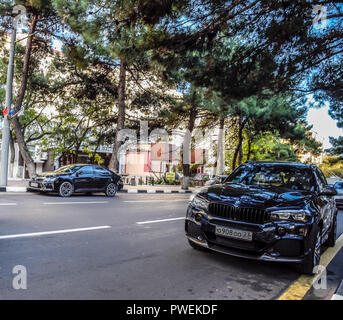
[
  {"x": 339, "y": 198},
  {"x": 216, "y": 180},
  {"x": 77, "y": 178},
  {"x": 266, "y": 211}
]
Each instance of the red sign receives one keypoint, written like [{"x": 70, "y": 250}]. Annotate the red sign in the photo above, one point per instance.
[{"x": 5, "y": 111}]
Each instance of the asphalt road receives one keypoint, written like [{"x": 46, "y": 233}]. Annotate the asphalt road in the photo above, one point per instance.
[{"x": 137, "y": 251}]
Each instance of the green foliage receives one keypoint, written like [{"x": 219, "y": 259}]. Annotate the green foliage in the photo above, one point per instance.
[
  {"x": 268, "y": 147},
  {"x": 337, "y": 146},
  {"x": 241, "y": 60},
  {"x": 93, "y": 155},
  {"x": 332, "y": 166}
]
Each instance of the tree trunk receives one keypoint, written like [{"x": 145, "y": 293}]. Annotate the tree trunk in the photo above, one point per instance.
[
  {"x": 114, "y": 161},
  {"x": 240, "y": 154},
  {"x": 249, "y": 149},
  {"x": 220, "y": 149},
  {"x": 186, "y": 149},
  {"x": 19, "y": 101},
  {"x": 24, "y": 151},
  {"x": 20, "y": 170},
  {"x": 238, "y": 151},
  {"x": 12, "y": 158}
]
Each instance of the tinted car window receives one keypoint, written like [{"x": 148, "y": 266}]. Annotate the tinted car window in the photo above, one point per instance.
[
  {"x": 68, "y": 169},
  {"x": 321, "y": 179},
  {"x": 86, "y": 170},
  {"x": 101, "y": 171},
  {"x": 239, "y": 175},
  {"x": 277, "y": 176}
]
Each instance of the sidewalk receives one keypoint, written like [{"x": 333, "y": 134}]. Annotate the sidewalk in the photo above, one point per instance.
[
  {"x": 15, "y": 186},
  {"x": 18, "y": 183},
  {"x": 21, "y": 186}
]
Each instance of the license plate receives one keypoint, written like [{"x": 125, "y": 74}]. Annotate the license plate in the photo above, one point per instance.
[
  {"x": 34, "y": 184},
  {"x": 233, "y": 233}
]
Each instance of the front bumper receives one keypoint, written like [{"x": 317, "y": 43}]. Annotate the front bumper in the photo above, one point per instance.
[
  {"x": 41, "y": 186},
  {"x": 267, "y": 243}
]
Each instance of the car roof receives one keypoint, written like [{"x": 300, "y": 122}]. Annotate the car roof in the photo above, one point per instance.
[
  {"x": 281, "y": 163},
  {"x": 81, "y": 164}
]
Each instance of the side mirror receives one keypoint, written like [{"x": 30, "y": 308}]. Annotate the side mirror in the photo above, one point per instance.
[
  {"x": 78, "y": 173},
  {"x": 328, "y": 191}
]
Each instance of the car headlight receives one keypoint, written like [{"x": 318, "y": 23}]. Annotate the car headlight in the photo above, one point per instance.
[
  {"x": 50, "y": 180},
  {"x": 200, "y": 203},
  {"x": 289, "y": 215}
]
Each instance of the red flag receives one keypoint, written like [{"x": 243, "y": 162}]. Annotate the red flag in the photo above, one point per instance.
[{"x": 5, "y": 111}]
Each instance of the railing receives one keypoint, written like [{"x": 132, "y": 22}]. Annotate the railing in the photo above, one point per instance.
[{"x": 135, "y": 180}]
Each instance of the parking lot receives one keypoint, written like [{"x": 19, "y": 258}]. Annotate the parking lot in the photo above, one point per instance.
[{"x": 128, "y": 247}]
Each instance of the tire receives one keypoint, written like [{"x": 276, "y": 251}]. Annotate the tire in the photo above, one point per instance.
[
  {"x": 331, "y": 241},
  {"x": 111, "y": 190},
  {"x": 66, "y": 189},
  {"x": 196, "y": 246},
  {"x": 309, "y": 266}
]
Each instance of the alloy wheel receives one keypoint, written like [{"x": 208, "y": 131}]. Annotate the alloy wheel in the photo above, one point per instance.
[
  {"x": 111, "y": 189},
  {"x": 66, "y": 189}
]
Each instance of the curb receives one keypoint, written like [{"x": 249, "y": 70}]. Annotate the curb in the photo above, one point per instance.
[
  {"x": 339, "y": 292},
  {"x": 13, "y": 189},
  {"x": 154, "y": 191},
  {"x": 25, "y": 189}
]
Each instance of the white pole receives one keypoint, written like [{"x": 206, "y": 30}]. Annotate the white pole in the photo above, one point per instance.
[{"x": 6, "y": 124}]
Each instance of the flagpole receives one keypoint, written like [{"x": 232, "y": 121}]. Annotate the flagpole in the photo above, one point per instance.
[{"x": 6, "y": 123}]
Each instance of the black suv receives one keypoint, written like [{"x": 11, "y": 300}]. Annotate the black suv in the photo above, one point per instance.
[{"x": 266, "y": 211}]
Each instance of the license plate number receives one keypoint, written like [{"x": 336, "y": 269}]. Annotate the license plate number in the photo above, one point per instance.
[
  {"x": 34, "y": 184},
  {"x": 233, "y": 233}
]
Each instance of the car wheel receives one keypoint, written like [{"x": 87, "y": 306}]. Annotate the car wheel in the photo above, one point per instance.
[
  {"x": 65, "y": 189},
  {"x": 111, "y": 190},
  {"x": 196, "y": 246},
  {"x": 309, "y": 266},
  {"x": 331, "y": 241}
]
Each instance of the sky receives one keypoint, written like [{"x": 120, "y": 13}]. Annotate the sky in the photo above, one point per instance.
[{"x": 323, "y": 125}]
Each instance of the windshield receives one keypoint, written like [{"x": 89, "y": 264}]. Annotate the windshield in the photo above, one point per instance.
[
  {"x": 277, "y": 176},
  {"x": 68, "y": 169}
]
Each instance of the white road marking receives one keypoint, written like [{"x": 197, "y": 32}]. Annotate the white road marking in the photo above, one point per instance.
[
  {"x": 8, "y": 204},
  {"x": 79, "y": 202},
  {"x": 12, "y": 193},
  {"x": 163, "y": 220},
  {"x": 154, "y": 200},
  {"x": 36, "y": 234}
]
